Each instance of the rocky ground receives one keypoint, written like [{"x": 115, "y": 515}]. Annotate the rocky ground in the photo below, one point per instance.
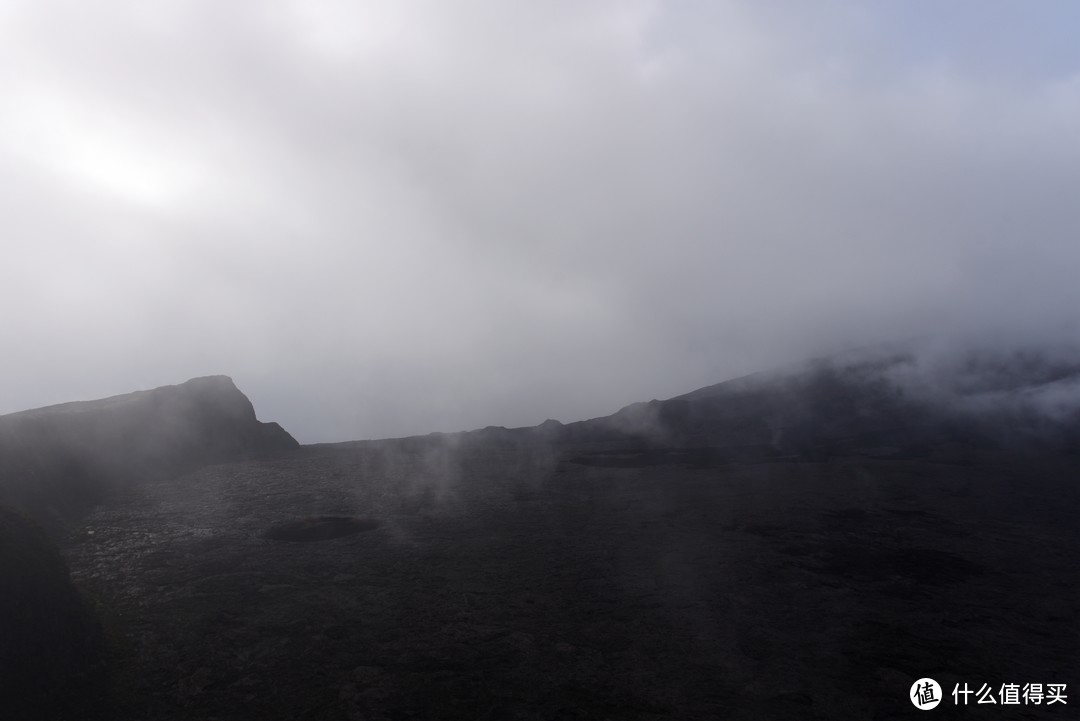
[{"x": 487, "y": 583}]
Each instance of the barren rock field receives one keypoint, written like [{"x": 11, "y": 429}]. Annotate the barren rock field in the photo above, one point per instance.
[{"x": 385, "y": 581}]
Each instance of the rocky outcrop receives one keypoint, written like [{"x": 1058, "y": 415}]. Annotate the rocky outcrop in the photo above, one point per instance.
[
  {"x": 51, "y": 647},
  {"x": 57, "y": 461}
]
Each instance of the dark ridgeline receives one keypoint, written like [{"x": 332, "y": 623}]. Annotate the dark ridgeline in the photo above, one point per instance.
[
  {"x": 57, "y": 461},
  {"x": 796, "y": 544}
]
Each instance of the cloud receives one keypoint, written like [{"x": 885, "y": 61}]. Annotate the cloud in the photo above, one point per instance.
[{"x": 392, "y": 218}]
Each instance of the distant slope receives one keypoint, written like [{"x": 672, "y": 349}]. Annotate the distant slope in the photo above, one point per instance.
[
  {"x": 57, "y": 461},
  {"x": 889, "y": 403}
]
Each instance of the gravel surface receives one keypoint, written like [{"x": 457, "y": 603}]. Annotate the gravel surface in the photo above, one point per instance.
[{"x": 498, "y": 584}]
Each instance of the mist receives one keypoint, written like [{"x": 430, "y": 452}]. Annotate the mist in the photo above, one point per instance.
[{"x": 392, "y": 220}]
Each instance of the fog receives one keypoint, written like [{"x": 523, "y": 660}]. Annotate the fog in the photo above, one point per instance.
[{"x": 389, "y": 219}]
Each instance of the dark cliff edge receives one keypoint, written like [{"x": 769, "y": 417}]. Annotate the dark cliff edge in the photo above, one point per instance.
[
  {"x": 52, "y": 649},
  {"x": 58, "y": 461}
]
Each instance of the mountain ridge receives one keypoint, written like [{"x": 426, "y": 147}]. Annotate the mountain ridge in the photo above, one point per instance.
[
  {"x": 887, "y": 402},
  {"x": 56, "y": 461}
]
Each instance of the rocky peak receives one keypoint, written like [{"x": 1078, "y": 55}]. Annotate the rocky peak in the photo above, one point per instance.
[{"x": 60, "y": 459}]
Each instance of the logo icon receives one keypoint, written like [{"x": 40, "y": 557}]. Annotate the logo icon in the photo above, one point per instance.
[{"x": 925, "y": 694}]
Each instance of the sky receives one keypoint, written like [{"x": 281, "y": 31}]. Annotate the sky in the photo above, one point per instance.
[{"x": 391, "y": 218}]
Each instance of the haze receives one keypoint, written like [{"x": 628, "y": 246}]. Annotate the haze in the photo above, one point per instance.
[{"x": 385, "y": 219}]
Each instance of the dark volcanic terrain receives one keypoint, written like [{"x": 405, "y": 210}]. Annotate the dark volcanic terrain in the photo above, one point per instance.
[
  {"x": 688, "y": 559},
  {"x": 521, "y": 586}
]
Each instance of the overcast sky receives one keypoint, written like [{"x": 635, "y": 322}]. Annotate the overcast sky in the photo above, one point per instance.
[{"x": 389, "y": 218}]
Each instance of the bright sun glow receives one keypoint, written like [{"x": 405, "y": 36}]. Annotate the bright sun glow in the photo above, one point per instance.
[{"x": 102, "y": 152}]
